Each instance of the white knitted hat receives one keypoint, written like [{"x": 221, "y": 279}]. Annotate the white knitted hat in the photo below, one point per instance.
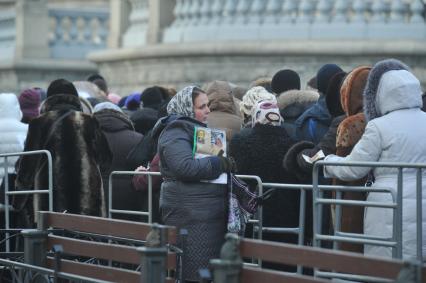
[{"x": 254, "y": 95}]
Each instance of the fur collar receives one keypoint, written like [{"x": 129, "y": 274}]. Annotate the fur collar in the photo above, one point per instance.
[
  {"x": 370, "y": 92},
  {"x": 61, "y": 102},
  {"x": 296, "y": 96}
]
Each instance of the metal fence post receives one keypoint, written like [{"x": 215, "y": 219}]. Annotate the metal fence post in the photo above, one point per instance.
[
  {"x": 35, "y": 251},
  {"x": 153, "y": 264},
  {"x": 226, "y": 271}
]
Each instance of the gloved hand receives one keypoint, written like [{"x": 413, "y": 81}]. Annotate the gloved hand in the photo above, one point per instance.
[
  {"x": 227, "y": 164},
  {"x": 292, "y": 160}
]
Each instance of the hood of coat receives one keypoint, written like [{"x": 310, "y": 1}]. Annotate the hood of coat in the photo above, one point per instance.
[
  {"x": 113, "y": 121},
  {"x": 352, "y": 89},
  {"x": 9, "y": 107},
  {"x": 293, "y": 103},
  {"x": 220, "y": 97},
  {"x": 61, "y": 102},
  {"x": 390, "y": 86}
]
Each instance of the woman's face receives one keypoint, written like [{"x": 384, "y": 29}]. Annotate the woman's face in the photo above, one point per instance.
[{"x": 201, "y": 109}]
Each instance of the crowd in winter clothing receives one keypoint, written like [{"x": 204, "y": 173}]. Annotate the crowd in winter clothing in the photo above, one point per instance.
[{"x": 368, "y": 113}]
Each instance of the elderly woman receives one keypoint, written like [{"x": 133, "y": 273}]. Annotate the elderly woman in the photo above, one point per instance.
[
  {"x": 396, "y": 124},
  {"x": 185, "y": 202}
]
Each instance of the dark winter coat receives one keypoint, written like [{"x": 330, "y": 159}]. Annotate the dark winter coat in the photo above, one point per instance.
[
  {"x": 121, "y": 137},
  {"x": 185, "y": 202},
  {"x": 260, "y": 153},
  {"x": 78, "y": 149},
  {"x": 314, "y": 122},
  {"x": 294, "y": 103}
]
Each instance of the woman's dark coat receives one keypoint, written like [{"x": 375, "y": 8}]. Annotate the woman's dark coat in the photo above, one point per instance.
[
  {"x": 121, "y": 138},
  {"x": 185, "y": 202}
]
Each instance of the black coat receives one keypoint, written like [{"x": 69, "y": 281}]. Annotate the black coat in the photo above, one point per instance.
[
  {"x": 121, "y": 137},
  {"x": 259, "y": 151}
]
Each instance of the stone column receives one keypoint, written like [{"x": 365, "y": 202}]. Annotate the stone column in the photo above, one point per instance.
[
  {"x": 32, "y": 28},
  {"x": 118, "y": 21},
  {"x": 160, "y": 16}
]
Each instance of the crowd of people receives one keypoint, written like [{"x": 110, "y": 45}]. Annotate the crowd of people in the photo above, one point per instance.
[{"x": 368, "y": 113}]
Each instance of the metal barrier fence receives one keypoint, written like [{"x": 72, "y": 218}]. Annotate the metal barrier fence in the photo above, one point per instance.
[
  {"x": 8, "y": 193},
  {"x": 257, "y": 221},
  {"x": 395, "y": 242}
]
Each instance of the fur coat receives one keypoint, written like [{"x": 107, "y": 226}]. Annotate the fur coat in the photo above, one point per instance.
[
  {"x": 78, "y": 149},
  {"x": 349, "y": 133}
]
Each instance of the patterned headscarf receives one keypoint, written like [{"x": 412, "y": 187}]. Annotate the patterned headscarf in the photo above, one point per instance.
[
  {"x": 266, "y": 112},
  {"x": 181, "y": 103}
]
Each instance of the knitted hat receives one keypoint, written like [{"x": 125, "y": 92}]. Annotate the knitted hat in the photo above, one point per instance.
[
  {"x": 133, "y": 101},
  {"x": 266, "y": 112},
  {"x": 352, "y": 88},
  {"x": 254, "y": 95},
  {"x": 61, "y": 86},
  {"x": 332, "y": 95},
  {"x": 29, "y": 101},
  {"x": 324, "y": 75},
  {"x": 285, "y": 80},
  {"x": 152, "y": 97}
]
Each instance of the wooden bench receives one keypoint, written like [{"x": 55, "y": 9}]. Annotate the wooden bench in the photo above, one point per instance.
[
  {"x": 230, "y": 269},
  {"x": 116, "y": 247}
]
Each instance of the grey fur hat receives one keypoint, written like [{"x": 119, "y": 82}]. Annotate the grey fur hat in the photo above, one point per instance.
[{"x": 372, "y": 85}]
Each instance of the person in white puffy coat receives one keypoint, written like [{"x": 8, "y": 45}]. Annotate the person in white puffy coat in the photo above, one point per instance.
[
  {"x": 395, "y": 132},
  {"x": 12, "y": 131}
]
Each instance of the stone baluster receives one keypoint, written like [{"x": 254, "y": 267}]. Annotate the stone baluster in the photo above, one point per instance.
[
  {"x": 417, "y": 9},
  {"x": 217, "y": 12},
  {"x": 256, "y": 12},
  {"x": 194, "y": 12},
  {"x": 341, "y": 12},
  {"x": 397, "y": 12},
  {"x": 243, "y": 7},
  {"x": 324, "y": 11},
  {"x": 359, "y": 8},
  {"x": 272, "y": 12},
  {"x": 185, "y": 12},
  {"x": 139, "y": 15},
  {"x": 378, "y": 12},
  {"x": 229, "y": 11},
  {"x": 205, "y": 12},
  {"x": 289, "y": 8},
  {"x": 306, "y": 11},
  {"x": 178, "y": 13}
]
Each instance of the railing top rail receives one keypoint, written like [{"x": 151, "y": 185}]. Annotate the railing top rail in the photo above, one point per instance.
[
  {"x": 26, "y": 153},
  {"x": 371, "y": 164}
]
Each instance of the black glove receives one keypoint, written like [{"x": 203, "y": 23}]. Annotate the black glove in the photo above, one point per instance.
[
  {"x": 291, "y": 159},
  {"x": 301, "y": 162},
  {"x": 227, "y": 164}
]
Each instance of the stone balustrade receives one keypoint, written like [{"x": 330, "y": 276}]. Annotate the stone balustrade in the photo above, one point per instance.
[
  {"x": 74, "y": 33},
  {"x": 212, "y": 20},
  {"x": 136, "y": 34},
  {"x": 7, "y": 33}
]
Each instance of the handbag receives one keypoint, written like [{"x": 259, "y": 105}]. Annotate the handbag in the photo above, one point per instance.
[{"x": 242, "y": 204}]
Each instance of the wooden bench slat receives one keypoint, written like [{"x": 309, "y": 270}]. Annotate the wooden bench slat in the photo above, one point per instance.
[
  {"x": 256, "y": 275},
  {"x": 100, "y": 225},
  {"x": 97, "y": 271},
  {"x": 119, "y": 253},
  {"x": 320, "y": 258},
  {"x": 99, "y": 250}
]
